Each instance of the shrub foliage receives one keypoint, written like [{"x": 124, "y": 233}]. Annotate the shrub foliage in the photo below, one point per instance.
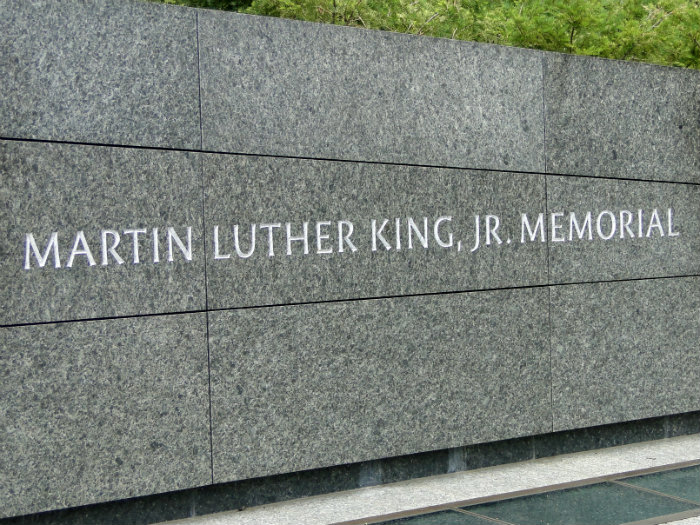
[{"x": 660, "y": 31}]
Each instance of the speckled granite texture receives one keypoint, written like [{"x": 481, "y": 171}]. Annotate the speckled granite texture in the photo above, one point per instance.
[
  {"x": 102, "y": 410},
  {"x": 282, "y": 87},
  {"x": 66, "y": 189},
  {"x": 607, "y": 118},
  {"x": 300, "y": 387},
  {"x": 112, "y": 72},
  {"x": 666, "y": 249},
  {"x": 623, "y": 351},
  {"x": 371, "y": 364},
  {"x": 247, "y": 191}
]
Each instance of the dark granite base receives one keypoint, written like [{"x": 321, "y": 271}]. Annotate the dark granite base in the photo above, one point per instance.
[{"x": 259, "y": 491}]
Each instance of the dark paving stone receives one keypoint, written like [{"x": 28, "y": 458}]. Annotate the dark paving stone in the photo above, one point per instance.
[
  {"x": 603, "y": 436},
  {"x": 141, "y": 511},
  {"x": 499, "y": 452},
  {"x": 414, "y": 466},
  {"x": 682, "y": 424},
  {"x": 271, "y": 489}
]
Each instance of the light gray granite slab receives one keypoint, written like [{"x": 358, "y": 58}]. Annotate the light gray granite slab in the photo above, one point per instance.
[
  {"x": 669, "y": 244},
  {"x": 103, "y": 71},
  {"x": 299, "y": 387},
  {"x": 67, "y": 189},
  {"x": 281, "y": 87},
  {"x": 244, "y": 191},
  {"x": 607, "y": 118},
  {"x": 102, "y": 410},
  {"x": 624, "y": 351}
]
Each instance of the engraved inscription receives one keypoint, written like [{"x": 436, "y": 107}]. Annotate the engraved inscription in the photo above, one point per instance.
[{"x": 325, "y": 237}]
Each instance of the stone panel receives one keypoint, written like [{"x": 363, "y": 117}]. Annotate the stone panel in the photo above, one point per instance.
[
  {"x": 624, "y": 351},
  {"x": 280, "y": 87},
  {"x": 121, "y": 72},
  {"x": 307, "y": 386},
  {"x": 67, "y": 189},
  {"x": 607, "y": 118},
  {"x": 102, "y": 410},
  {"x": 667, "y": 246},
  {"x": 257, "y": 190}
]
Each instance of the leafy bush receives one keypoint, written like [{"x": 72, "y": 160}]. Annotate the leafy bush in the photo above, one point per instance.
[{"x": 662, "y": 31}]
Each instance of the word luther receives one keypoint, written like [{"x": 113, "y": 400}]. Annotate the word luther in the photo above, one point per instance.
[
  {"x": 323, "y": 238},
  {"x": 111, "y": 249}
]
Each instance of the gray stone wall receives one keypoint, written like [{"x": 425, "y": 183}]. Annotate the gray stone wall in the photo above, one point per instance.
[{"x": 234, "y": 247}]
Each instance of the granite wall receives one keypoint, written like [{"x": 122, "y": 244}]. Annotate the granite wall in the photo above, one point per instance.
[{"x": 234, "y": 247}]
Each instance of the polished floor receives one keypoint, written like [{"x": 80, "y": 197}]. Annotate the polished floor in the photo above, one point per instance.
[
  {"x": 653, "y": 497},
  {"x": 641, "y": 484}
]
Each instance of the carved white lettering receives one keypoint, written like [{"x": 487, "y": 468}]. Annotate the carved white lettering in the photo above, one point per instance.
[
  {"x": 580, "y": 232},
  {"x": 111, "y": 249},
  {"x": 655, "y": 222},
  {"x": 625, "y": 221},
  {"x": 407, "y": 232},
  {"x": 156, "y": 247},
  {"x": 556, "y": 227},
  {"x": 171, "y": 235},
  {"x": 304, "y": 237},
  {"x": 377, "y": 234},
  {"x": 436, "y": 233},
  {"x": 84, "y": 249},
  {"x": 640, "y": 216},
  {"x": 217, "y": 254},
  {"x": 599, "y": 225},
  {"x": 344, "y": 238},
  {"x": 270, "y": 242},
  {"x": 525, "y": 225},
  {"x": 477, "y": 234},
  {"x": 31, "y": 247},
  {"x": 671, "y": 233},
  {"x": 398, "y": 233},
  {"x": 320, "y": 237},
  {"x": 237, "y": 243},
  {"x": 492, "y": 224},
  {"x": 135, "y": 236},
  {"x": 422, "y": 236}
]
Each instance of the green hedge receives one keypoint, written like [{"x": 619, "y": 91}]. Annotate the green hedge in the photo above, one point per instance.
[{"x": 662, "y": 32}]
